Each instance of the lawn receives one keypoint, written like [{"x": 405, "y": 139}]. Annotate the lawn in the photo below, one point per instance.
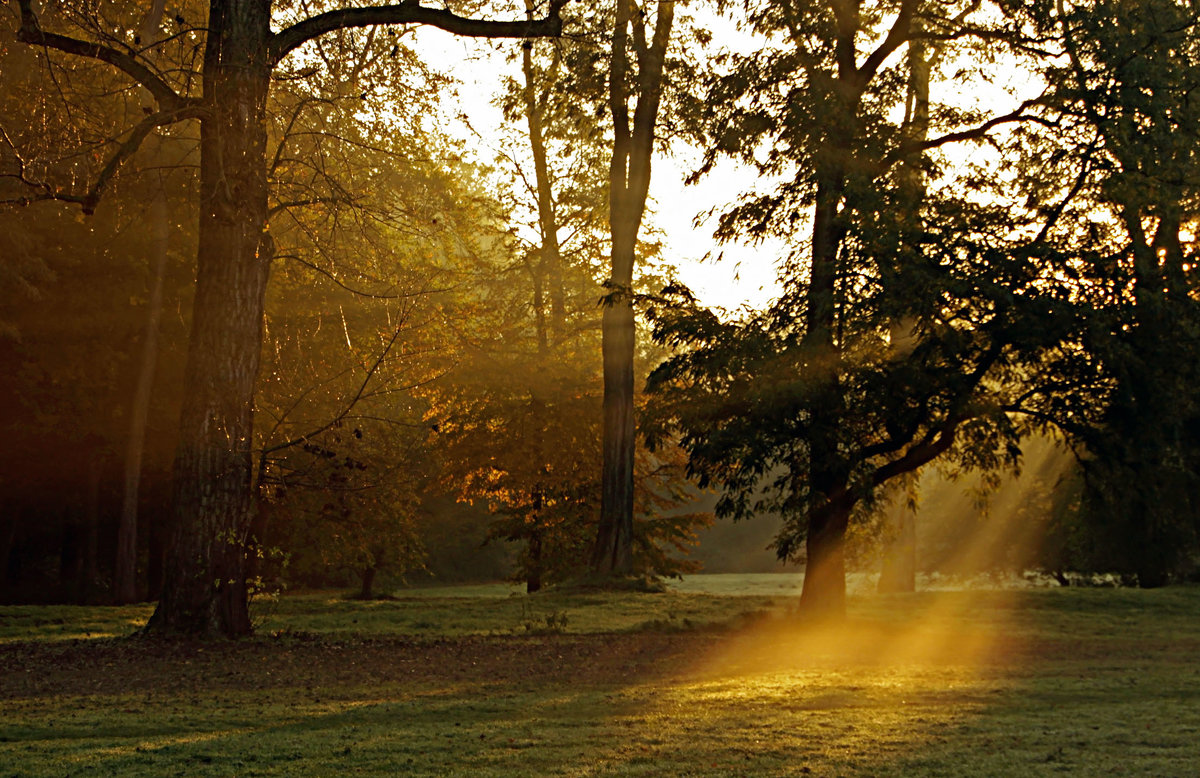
[{"x": 714, "y": 680}]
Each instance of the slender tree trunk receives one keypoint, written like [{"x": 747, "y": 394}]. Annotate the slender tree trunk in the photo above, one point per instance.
[
  {"x": 125, "y": 567},
  {"x": 550, "y": 265},
  {"x": 533, "y": 574},
  {"x": 899, "y": 573},
  {"x": 629, "y": 184},
  {"x": 159, "y": 530},
  {"x": 8, "y": 534},
  {"x": 125, "y": 576},
  {"x": 89, "y": 573},
  {"x": 367, "y": 590},
  {"x": 70, "y": 558},
  {"x": 205, "y": 594}
]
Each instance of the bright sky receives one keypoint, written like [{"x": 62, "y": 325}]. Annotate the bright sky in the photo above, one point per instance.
[{"x": 746, "y": 275}]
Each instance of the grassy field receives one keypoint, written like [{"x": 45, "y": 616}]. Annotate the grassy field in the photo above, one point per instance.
[{"x": 718, "y": 680}]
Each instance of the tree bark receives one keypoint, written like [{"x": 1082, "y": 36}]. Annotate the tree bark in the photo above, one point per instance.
[
  {"x": 205, "y": 592},
  {"x": 823, "y": 597},
  {"x": 613, "y": 554},
  {"x": 629, "y": 184}
]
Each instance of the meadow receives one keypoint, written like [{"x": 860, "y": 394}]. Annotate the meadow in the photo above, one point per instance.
[{"x": 716, "y": 678}]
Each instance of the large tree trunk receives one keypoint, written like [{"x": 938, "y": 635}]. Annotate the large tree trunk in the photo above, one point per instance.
[
  {"x": 205, "y": 589},
  {"x": 824, "y": 594}
]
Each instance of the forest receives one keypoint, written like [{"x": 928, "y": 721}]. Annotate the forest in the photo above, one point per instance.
[{"x": 266, "y": 324}]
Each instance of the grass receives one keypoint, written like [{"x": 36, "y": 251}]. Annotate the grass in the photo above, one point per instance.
[
  {"x": 439, "y": 613},
  {"x": 1041, "y": 682}
]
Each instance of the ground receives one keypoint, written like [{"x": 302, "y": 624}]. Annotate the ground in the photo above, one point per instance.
[{"x": 1071, "y": 682}]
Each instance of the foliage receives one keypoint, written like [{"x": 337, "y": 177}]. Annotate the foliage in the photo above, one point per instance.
[
  {"x": 349, "y": 453},
  {"x": 910, "y": 313},
  {"x": 1127, "y": 154},
  {"x": 521, "y": 424}
]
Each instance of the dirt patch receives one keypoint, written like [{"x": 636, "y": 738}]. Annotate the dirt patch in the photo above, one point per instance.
[{"x": 137, "y": 665}]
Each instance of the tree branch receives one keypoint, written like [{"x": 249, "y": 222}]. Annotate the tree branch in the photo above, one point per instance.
[
  {"x": 975, "y": 133},
  {"x": 899, "y": 34},
  {"x": 32, "y": 33},
  {"x": 349, "y": 405},
  {"x": 131, "y": 145},
  {"x": 411, "y": 12}
]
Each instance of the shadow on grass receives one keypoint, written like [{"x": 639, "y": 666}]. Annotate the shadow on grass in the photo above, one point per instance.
[{"x": 950, "y": 684}]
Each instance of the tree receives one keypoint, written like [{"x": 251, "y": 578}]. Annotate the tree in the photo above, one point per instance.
[
  {"x": 358, "y": 332},
  {"x": 907, "y": 318},
  {"x": 1123, "y": 161},
  {"x": 520, "y": 420},
  {"x": 205, "y": 592},
  {"x": 629, "y": 182},
  {"x": 125, "y": 587}
]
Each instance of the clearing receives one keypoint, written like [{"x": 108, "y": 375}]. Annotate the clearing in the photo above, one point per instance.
[{"x": 717, "y": 680}]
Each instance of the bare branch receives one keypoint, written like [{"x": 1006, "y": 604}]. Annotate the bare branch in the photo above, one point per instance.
[
  {"x": 350, "y": 403},
  {"x": 32, "y": 33},
  {"x": 131, "y": 145}
]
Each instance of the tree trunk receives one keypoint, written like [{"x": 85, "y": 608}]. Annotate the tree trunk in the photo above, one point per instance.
[
  {"x": 89, "y": 574},
  {"x": 550, "y": 265},
  {"x": 533, "y": 573},
  {"x": 629, "y": 183},
  {"x": 8, "y": 534},
  {"x": 205, "y": 589},
  {"x": 824, "y": 592},
  {"x": 613, "y": 553},
  {"x": 159, "y": 532},
  {"x": 125, "y": 588},
  {"x": 899, "y": 573},
  {"x": 70, "y": 558},
  {"x": 367, "y": 591},
  {"x": 823, "y": 597},
  {"x": 256, "y": 540}
]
